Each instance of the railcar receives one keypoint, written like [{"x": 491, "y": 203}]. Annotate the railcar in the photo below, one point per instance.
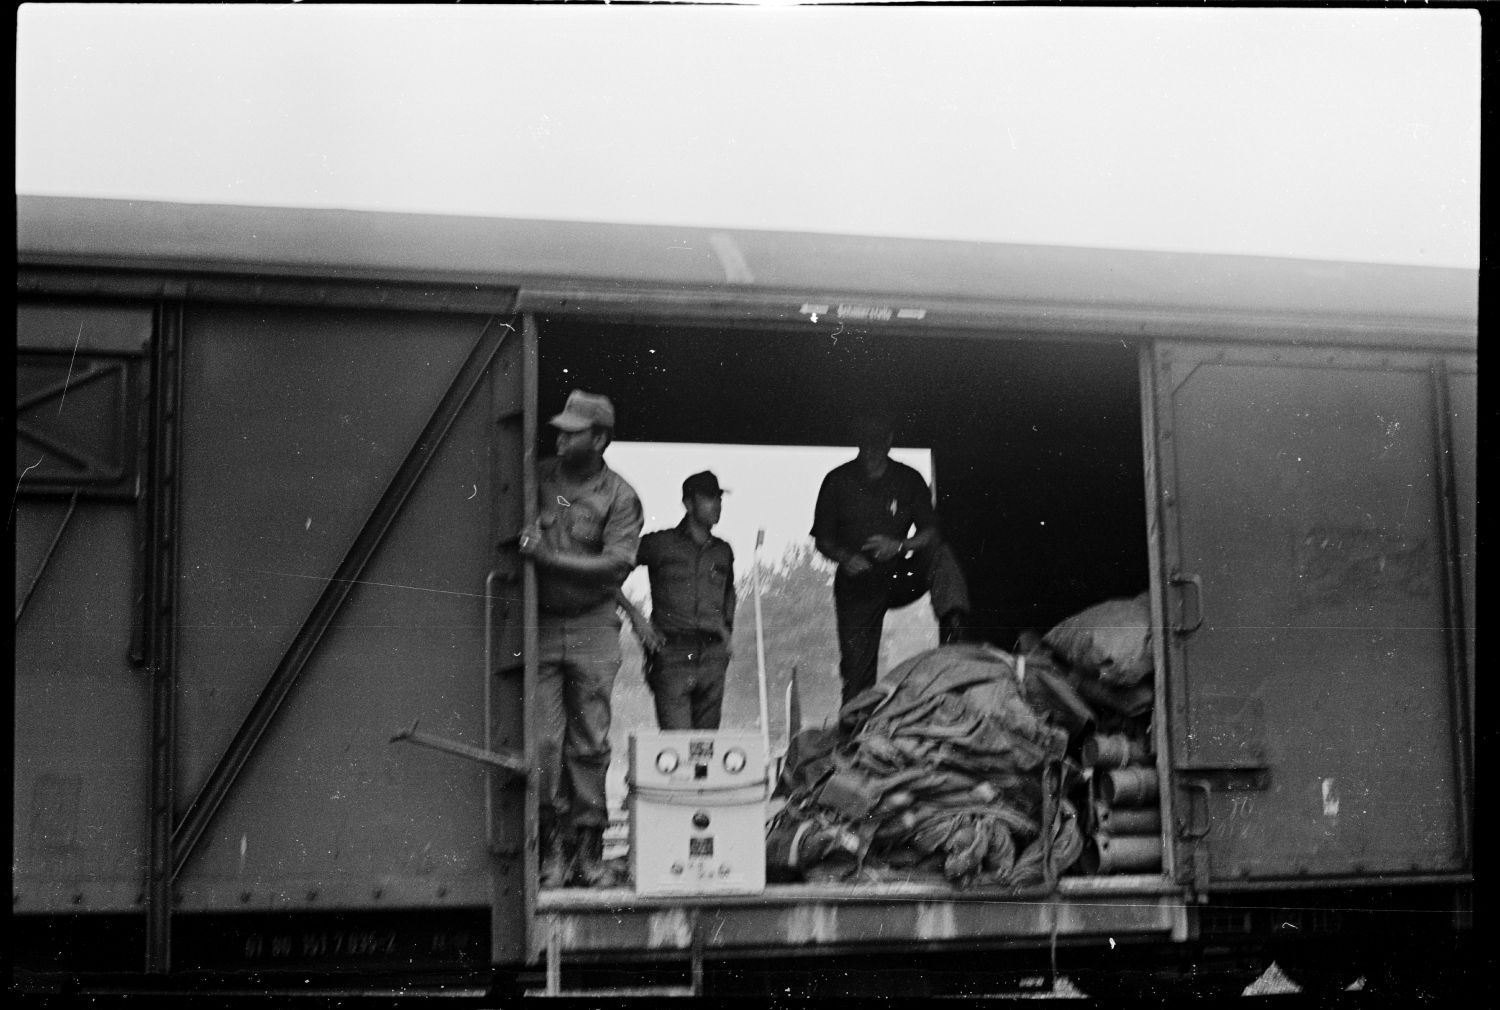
[{"x": 270, "y": 467}]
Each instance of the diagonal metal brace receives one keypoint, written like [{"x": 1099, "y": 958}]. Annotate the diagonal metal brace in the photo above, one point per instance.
[{"x": 507, "y": 760}]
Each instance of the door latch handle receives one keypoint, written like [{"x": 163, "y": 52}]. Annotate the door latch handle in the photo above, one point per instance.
[
  {"x": 1196, "y": 581},
  {"x": 1187, "y": 828}
]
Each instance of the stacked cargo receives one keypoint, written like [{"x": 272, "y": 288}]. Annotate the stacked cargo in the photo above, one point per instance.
[
  {"x": 982, "y": 767},
  {"x": 1094, "y": 671},
  {"x": 1125, "y": 803},
  {"x": 941, "y": 771}
]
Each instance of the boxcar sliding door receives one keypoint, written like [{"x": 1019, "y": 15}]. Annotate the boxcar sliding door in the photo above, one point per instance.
[
  {"x": 1316, "y": 711},
  {"x": 346, "y": 476}
]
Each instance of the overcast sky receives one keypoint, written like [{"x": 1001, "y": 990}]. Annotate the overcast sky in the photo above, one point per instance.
[{"x": 1338, "y": 134}]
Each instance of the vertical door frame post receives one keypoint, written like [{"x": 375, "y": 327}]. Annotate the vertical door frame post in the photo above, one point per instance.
[{"x": 160, "y": 626}]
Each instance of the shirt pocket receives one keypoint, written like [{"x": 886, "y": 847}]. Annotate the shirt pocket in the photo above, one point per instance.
[
  {"x": 585, "y": 525},
  {"x": 674, "y": 570}
]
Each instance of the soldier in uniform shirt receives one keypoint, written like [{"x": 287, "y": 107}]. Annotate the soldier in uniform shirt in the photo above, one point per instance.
[
  {"x": 874, "y": 519},
  {"x": 583, "y": 542},
  {"x": 692, "y": 610}
]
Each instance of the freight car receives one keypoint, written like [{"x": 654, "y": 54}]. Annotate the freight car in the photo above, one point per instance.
[{"x": 271, "y": 463}]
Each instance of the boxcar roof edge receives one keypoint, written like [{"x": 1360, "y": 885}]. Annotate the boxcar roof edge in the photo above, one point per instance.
[{"x": 427, "y": 248}]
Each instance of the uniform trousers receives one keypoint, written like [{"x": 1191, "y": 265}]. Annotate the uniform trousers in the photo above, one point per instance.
[
  {"x": 860, "y": 603},
  {"x": 578, "y": 660},
  {"x": 686, "y": 678}
]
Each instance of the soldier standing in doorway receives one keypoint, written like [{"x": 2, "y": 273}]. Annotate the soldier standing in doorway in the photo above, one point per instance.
[
  {"x": 584, "y": 544},
  {"x": 874, "y": 519},
  {"x": 692, "y": 610}
]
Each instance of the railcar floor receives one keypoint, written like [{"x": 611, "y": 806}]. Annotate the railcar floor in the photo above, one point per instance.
[{"x": 565, "y": 899}]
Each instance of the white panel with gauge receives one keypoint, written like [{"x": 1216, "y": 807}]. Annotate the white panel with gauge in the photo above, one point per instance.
[{"x": 697, "y": 805}]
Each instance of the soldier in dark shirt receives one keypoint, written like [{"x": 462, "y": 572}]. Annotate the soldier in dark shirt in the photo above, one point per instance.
[
  {"x": 584, "y": 542},
  {"x": 692, "y": 610},
  {"x": 864, "y": 520}
]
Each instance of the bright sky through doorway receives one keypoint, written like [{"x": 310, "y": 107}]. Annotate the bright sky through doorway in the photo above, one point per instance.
[{"x": 770, "y": 486}]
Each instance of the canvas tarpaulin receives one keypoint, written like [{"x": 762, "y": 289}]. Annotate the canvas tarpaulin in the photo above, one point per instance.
[{"x": 937, "y": 769}]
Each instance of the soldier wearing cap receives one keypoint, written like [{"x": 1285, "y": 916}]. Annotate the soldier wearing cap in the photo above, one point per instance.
[
  {"x": 874, "y": 519},
  {"x": 584, "y": 543},
  {"x": 692, "y": 610}
]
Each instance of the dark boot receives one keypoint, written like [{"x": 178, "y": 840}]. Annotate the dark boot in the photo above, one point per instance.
[
  {"x": 951, "y": 627},
  {"x": 557, "y": 857},
  {"x": 588, "y": 863}
]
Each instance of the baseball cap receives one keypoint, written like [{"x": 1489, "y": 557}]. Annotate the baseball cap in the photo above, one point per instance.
[
  {"x": 704, "y": 483},
  {"x": 584, "y": 410}
]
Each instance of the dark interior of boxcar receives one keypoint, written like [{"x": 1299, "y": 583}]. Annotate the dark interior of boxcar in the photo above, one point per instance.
[{"x": 1037, "y": 446}]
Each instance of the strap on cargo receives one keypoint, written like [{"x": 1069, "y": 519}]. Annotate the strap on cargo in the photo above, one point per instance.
[{"x": 793, "y": 860}]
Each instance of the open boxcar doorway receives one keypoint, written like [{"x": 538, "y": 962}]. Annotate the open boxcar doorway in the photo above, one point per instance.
[
  {"x": 1036, "y": 444},
  {"x": 771, "y": 490}
]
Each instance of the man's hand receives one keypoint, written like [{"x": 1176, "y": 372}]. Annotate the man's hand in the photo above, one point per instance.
[
  {"x": 882, "y": 547},
  {"x": 651, "y": 639},
  {"x": 856, "y": 564},
  {"x": 530, "y": 542}
]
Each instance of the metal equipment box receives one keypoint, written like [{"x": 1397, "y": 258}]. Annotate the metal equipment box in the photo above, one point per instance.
[{"x": 697, "y": 801}]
